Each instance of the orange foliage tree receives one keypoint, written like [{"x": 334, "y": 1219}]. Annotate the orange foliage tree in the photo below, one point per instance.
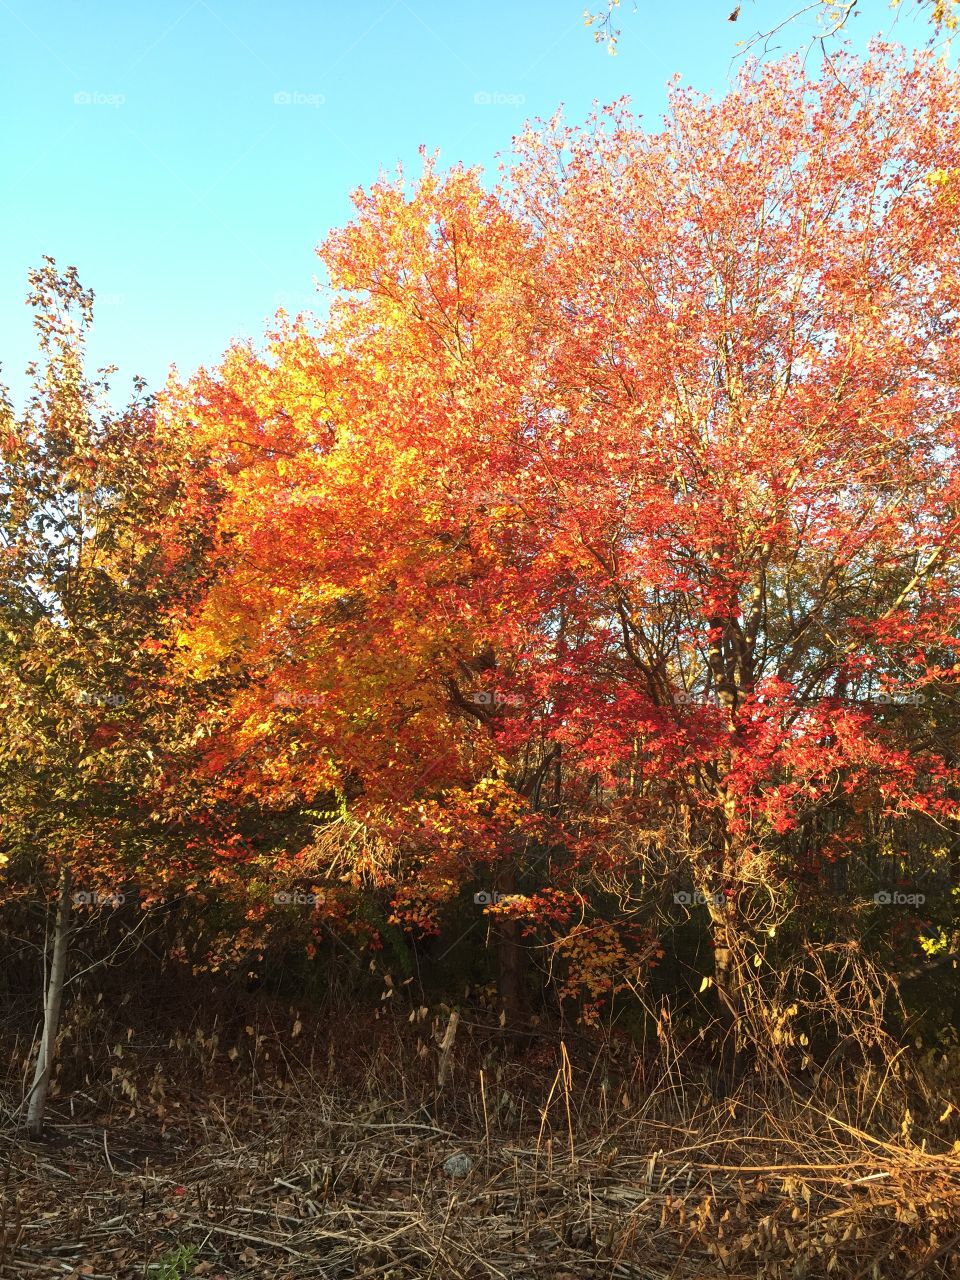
[{"x": 604, "y": 543}]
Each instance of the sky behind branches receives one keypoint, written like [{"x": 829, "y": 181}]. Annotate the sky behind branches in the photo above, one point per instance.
[{"x": 188, "y": 155}]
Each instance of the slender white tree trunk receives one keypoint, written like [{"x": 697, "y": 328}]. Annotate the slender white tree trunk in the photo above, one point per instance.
[{"x": 51, "y": 1011}]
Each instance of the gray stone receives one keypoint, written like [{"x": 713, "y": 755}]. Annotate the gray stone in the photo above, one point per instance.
[{"x": 457, "y": 1166}]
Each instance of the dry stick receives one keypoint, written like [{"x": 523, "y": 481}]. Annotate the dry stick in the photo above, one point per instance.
[
  {"x": 941, "y": 1252},
  {"x": 567, "y": 1070},
  {"x": 543, "y": 1122},
  {"x": 8, "y": 1237},
  {"x": 51, "y": 1009},
  {"x": 244, "y": 1235},
  {"x": 446, "y": 1048},
  {"x": 398, "y": 1124},
  {"x": 486, "y": 1118},
  {"x": 443, "y": 1232},
  {"x": 390, "y": 1266}
]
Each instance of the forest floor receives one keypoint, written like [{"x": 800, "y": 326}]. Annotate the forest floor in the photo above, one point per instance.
[{"x": 565, "y": 1177}]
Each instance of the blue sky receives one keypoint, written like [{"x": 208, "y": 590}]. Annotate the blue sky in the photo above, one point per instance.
[{"x": 188, "y": 155}]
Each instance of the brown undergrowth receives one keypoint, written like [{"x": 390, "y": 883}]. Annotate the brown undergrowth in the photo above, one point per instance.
[{"x": 298, "y": 1151}]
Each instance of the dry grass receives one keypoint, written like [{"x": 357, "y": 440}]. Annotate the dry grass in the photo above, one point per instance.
[{"x": 308, "y": 1179}]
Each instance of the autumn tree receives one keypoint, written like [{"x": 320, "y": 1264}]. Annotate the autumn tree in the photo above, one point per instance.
[
  {"x": 833, "y": 17},
  {"x": 104, "y": 529},
  {"x": 624, "y": 499},
  {"x": 756, "y": 334}
]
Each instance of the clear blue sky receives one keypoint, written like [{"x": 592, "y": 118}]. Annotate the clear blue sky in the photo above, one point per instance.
[{"x": 143, "y": 141}]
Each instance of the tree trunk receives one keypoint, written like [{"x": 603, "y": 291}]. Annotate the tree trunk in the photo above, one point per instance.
[
  {"x": 727, "y": 978},
  {"x": 51, "y": 1011},
  {"x": 512, "y": 957}
]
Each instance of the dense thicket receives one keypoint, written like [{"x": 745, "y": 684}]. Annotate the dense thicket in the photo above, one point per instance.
[{"x": 598, "y": 557}]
